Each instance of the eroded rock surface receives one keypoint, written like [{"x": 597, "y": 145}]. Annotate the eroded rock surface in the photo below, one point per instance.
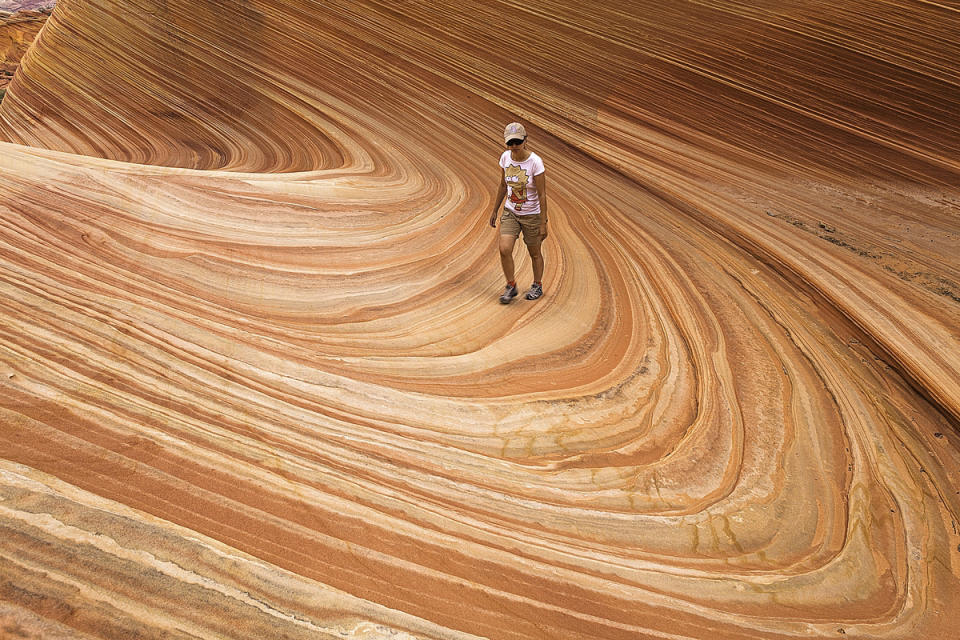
[
  {"x": 13, "y": 6},
  {"x": 17, "y": 31},
  {"x": 254, "y": 380}
]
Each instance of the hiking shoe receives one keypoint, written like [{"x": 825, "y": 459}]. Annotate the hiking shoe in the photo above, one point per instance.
[
  {"x": 536, "y": 290},
  {"x": 509, "y": 294}
]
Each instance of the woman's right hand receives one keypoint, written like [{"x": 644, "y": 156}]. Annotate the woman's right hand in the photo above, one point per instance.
[{"x": 493, "y": 219}]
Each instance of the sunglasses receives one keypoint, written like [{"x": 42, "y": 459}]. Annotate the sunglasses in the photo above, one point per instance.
[{"x": 515, "y": 142}]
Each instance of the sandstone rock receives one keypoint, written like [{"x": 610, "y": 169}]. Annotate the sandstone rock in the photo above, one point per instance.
[
  {"x": 13, "y": 6},
  {"x": 255, "y": 382},
  {"x": 17, "y": 31}
]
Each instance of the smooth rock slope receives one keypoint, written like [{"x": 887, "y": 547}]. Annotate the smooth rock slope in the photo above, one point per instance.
[{"x": 254, "y": 380}]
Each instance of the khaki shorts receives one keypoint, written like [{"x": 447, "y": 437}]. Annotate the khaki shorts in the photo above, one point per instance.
[{"x": 511, "y": 224}]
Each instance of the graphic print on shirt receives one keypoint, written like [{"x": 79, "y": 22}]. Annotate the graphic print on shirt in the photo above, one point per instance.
[{"x": 517, "y": 180}]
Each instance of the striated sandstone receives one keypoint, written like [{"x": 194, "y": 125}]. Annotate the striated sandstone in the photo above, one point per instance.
[
  {"x": 254, "y": 378},
  {"x": 17, "y": 32}
]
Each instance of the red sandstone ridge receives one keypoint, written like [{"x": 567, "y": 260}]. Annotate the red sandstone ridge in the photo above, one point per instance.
[{"x": 17, "y": 31}]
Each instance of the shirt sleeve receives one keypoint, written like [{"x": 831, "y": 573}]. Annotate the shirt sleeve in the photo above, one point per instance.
[
  {"x": 538, "y": 167},
  {"x": 503, "y": 160}
]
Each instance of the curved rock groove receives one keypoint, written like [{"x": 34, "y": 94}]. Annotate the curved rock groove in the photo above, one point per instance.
[{"x": 254, "y": 381}]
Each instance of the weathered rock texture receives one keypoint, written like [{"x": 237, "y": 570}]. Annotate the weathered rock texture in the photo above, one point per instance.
[
  {"x": 13, "y": 6},
  {"x": 255, "y": 381},
  {"x": 17, "y": 31}
]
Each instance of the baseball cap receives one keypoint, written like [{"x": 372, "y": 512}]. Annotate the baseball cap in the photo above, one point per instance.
[{"x": 514, "y": 130}]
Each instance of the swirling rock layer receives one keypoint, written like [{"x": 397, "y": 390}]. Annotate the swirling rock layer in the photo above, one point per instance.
[{"x": 254, "y": 381}]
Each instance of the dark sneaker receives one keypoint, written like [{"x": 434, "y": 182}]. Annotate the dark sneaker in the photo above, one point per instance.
[
  {"x": 536, "y": 290},
  {"x": 509, "y": 294}
]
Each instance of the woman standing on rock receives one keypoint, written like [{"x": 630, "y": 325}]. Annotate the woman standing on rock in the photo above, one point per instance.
[{"x": 525, "y": 188}]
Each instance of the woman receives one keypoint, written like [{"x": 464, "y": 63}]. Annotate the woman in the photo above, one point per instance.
[{"x": 524, "y": 186}]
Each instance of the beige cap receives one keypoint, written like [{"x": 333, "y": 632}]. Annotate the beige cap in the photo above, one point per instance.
[{"x": 514, "y": 130}]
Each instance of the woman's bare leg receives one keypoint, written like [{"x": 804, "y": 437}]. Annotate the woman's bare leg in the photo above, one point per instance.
[
  {"x": 536, "y": 256},
  {"x": 506, "y": 257}
]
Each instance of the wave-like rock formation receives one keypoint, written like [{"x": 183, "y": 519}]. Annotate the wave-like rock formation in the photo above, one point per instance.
[
  {"x": 254, "y": 380},
  {"x": 17, "y": 31}
]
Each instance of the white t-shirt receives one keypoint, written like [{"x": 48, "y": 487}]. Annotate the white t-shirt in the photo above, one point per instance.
[{"x": 522, "y": 196}]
